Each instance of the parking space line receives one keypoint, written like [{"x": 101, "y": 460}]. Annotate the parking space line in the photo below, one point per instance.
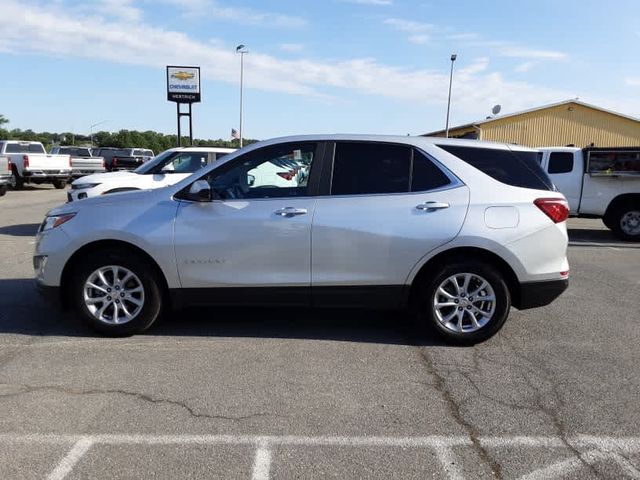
[
  {"x": 449, "y": 463},
  {"x": 261, "y": 463},
  {"x": 65, "y": 465}
]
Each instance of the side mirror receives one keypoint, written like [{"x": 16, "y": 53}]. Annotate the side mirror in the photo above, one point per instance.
[{"x": 200, "y": 191}]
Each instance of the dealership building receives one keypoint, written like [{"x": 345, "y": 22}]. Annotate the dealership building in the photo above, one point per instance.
[{"x": 571, "y": 122}]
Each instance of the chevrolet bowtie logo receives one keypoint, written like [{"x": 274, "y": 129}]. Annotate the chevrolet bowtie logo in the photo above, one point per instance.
[{"x": 183, "y": 75}]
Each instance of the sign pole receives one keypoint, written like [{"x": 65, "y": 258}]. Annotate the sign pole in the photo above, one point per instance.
[
  {"x": 178, "y": 115},
  {"x": 190, "y": 126}
]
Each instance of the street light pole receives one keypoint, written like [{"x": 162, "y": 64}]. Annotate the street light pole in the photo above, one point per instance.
[
  {"x": 453, "y": 59},
  {"x": 241, "y": 50},
  {"x": 91, "y": 129}
]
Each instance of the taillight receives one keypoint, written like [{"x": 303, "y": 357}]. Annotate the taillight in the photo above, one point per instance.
[
  {"x": 70, "y": 161},
  {"x": 9, "y": 165},
  {"x": 114, "y": 162},
  {"x": 25, "y": 160},
  {"x": 103, "y": 164},
  {"x": 557, "y": 209},
  {"x": 287, "y": 175}
]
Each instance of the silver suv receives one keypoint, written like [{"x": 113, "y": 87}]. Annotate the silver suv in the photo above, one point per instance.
[{"x": 456, "y": 230}]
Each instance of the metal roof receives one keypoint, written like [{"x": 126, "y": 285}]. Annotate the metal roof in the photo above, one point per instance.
[{"x": 543, "y": 107}]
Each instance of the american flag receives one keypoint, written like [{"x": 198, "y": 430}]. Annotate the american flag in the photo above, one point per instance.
[{"x": 235, "y": 134}]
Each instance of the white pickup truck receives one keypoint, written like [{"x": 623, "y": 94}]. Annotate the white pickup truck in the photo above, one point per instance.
[
  {"x": 82, "y": 160},
  {"x": 5, "y": 174},
  {"x": 599, "y": 183},
  {"x": 31, "y": 164}
]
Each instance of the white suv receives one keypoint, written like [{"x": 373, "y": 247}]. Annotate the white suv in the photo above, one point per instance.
[
  {"x": 168, "y": 168},
  {"x": 458, "y": 230}
]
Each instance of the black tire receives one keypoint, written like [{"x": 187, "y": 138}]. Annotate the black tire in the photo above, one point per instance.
[
  {"x": 3, "y": 190},
  {"x": 59, "y": 184},
  {"x": 153, "y": 299},
  {"x": 426, "y": 292},
  {"x": 619, "y": 221},
  {"x": 17, "y": 182}
]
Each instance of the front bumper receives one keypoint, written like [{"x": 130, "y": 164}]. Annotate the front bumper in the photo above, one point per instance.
[{"x": 539, "y": 294}]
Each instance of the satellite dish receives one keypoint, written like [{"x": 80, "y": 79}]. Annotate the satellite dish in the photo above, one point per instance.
[{"x": 496, "y": 109}]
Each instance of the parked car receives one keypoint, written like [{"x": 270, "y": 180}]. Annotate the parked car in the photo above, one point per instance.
[
  {"x": 82, "y": 160},
  {"x": 457, "y": 230},
  {"x": 30, "y": 163},
  {"x": 123, "y": 158},
  {"x": 168, "y": 168},
  {"x": 5, "y": 174},
  {"x": 599, "y": 183}
]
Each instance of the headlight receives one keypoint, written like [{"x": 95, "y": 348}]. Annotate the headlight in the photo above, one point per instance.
[
  {"x": 82, "y": 186},
  {"x": 55, "y": 221}
]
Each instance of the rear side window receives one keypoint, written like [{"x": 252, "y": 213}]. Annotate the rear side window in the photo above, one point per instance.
[
  {"x": 368, "y": 168},
  {"x": 512, "y": 167},
  {"x": 426, "y": 175},
  {"x": 560, "y": 162}
]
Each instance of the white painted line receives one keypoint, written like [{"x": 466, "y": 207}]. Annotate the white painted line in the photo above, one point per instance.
[
  {"x": 69, "y": 461},
  {"x": 630, "y": 444},
  {"x": 559, "y": 469},
  {"x": 261, "y": 463},
  {"x": 449, "y": 462}
]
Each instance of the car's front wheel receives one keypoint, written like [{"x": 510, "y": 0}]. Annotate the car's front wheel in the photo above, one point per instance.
[
  {"x": 465, "y": 303},
  {"x": 3, "y": 190},
  {"x": 116, "y": 293}
]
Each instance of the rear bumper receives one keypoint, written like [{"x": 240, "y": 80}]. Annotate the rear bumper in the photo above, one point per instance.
[
  {"x": 43, "y": 174},
  {"x": 5, "y": 179},
  {"x": 539, "y": 294}
]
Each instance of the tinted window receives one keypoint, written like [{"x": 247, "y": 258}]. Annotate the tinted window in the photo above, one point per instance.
[
  {"x": 269, "y": 172},
  {"x": 25, "y": 148},
  {"x": 513, "y": 167},
  {"x": 426, "y": 175},
  {"x": 367, "y": 168},
  {"x": 560, "y": 162}
]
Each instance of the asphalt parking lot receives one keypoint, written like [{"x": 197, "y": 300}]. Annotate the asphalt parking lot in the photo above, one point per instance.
[{"x": 237, "y": 393}]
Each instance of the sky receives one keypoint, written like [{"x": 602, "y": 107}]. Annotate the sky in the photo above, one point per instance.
[{"x": 314, "y": 66}]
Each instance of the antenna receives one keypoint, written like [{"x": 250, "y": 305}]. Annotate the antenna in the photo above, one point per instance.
[{"x": 496, "y": 109}]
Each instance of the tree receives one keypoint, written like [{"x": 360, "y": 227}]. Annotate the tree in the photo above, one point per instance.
[{"x": 3, "y": 120}]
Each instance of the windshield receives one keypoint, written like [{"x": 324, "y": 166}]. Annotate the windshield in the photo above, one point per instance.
[
  {"x": 75, "y": 152},
  {"x": 174, "y": 161}
]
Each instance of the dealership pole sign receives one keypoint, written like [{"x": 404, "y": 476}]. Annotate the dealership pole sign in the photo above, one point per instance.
[{"x": 183, "y": 84}]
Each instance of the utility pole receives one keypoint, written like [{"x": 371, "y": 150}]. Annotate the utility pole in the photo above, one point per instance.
[
  {"x": 241, "y": 49},
  {"x": 453, "y": 59}
]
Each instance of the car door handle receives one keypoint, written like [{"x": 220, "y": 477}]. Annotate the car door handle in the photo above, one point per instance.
[
  {"x": 431, "y": 206},
  {"x": 290, "y": 211}
]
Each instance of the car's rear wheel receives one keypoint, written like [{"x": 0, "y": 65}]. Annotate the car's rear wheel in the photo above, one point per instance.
[
  {"x": 59, "y": 184},
  {"x": 116, "y": 293},
  {"x": 625, "y": 222},
  {"x": 16, "y": 181},
  {"x": 466, "y": 302},
  {"x": 3, "y": 190}
]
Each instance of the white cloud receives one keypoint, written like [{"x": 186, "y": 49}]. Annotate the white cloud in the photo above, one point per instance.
[
  {"x": 52, "y": 30},
  {"x": 419, "y": 33},
  {"x": 632, "y": 81},
  {"x": 525, "y": 52},
  {"x": 369, "y": 2},
  {"x": 194, "y": 9},
  {"x": 291, "y": 47},
  {"x": 120, "y": 9},
  {"x": 525, "y": 67}
]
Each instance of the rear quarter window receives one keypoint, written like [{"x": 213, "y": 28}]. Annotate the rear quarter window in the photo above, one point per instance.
[{"x": 512, "y": 167}]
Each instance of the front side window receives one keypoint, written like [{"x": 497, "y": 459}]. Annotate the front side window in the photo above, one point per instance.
[
  {"x": 361, "y": 168},
  {"x": 269, "y": 172},
  {"x": 560, "y": 162},
  {"x": 186, "y": 163}
]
